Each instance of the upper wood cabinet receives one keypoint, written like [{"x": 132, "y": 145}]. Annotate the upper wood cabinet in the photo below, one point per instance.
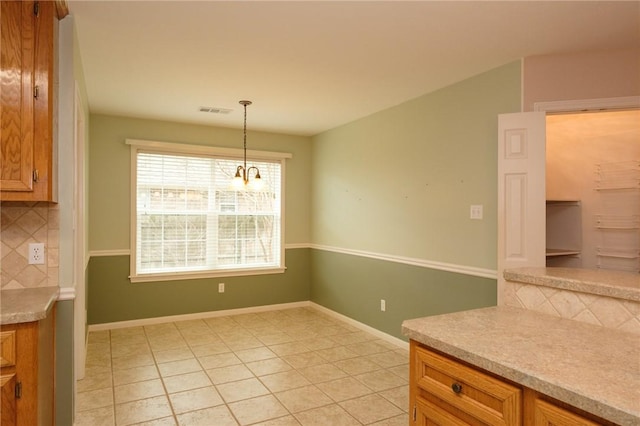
[{"x": 27, "y": 57}]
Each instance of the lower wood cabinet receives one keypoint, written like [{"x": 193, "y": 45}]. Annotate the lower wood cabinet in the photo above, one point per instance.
[
  {"x": 445, "y": 391},
  {"x": 448, "y": 392},
  {"x": 27, "y": 372}
]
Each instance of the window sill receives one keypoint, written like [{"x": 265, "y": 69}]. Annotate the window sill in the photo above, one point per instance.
[{"x": 145, "y": 278}]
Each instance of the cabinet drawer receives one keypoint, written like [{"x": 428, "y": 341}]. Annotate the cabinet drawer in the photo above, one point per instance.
[
  {"x": 547, "y": 414},
  {"x": 7, "y": 348},
  {"x": 483, "y": 397}
]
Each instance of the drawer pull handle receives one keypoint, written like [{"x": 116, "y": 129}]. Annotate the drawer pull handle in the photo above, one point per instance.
[{"x": 456, "y": 387}]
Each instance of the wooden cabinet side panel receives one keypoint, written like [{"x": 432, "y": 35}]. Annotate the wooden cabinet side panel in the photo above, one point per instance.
[
  {"x": 16, "y": 93},
  {"x": 413, "y": 385},
  {"x": 43, "y": 106}
]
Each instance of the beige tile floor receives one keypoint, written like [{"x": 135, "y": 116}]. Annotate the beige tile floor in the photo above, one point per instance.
[{"x": 286, "y": 367}]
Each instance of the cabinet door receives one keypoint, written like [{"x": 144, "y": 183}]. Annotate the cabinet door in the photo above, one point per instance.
[
  {"x": 17, "y": 52},
  {"x": 547, "y": 414},
  {"x": 8, "y": 408}
]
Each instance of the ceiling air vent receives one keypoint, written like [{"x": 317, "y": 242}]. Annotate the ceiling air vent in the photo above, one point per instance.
[{"x": 215, "y": 110}]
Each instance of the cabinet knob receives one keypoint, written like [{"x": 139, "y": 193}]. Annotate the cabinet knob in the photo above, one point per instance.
[{"x": 456, "y": 387}]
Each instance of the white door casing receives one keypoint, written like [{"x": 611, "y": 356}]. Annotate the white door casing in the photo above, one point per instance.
[
  {"x": 79, "y": 246},
  {"x": 521, "y": 193}
]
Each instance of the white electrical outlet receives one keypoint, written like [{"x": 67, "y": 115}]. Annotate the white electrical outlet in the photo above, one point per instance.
[
  {"x": 220, "y": 287},
  {"x": 383, "y": 305},
  {"x": 36, "y": 253}
]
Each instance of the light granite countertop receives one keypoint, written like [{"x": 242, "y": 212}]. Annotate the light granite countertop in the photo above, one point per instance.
[
  {"x": 621, "y": 285},
  {"x": 589, "y": 367},
  {"x": 26, "y": 305}
]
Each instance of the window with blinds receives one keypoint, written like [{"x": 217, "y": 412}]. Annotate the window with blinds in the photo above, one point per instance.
[{"x": 190, "y": 220}]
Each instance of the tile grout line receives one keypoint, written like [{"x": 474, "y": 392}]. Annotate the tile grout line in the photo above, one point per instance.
[
  {"x": 155, "y": 364},
  {"x": 113, "y": 379}
]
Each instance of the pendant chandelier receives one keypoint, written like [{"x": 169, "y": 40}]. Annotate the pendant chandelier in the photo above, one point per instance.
[{"x": 241, "y": 179}]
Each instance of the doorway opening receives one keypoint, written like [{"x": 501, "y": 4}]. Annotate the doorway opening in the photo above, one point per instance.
[{"x": 593, "y": 190}]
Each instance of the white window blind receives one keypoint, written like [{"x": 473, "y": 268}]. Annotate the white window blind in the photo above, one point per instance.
[{"x": 190, "y": 220}]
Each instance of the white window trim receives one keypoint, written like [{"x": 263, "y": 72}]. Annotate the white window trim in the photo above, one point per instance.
[
  {"x": 205, "y": 150},
  {"x": 138, "y": 145}
]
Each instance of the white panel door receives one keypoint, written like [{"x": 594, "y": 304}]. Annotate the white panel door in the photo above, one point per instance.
[{"x": 521, "y": 192}]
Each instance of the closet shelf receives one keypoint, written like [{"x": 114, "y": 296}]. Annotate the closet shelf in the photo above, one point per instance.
[
  {"x": 622, "y": 186},
  {"x": 561, "y": 252},
  {"x": 616, "y": 176},
  {"x": 563, "y": 202},
  {"x": 617, "y": 222},
  {"x": 564, "y": 232},
  {"x": 621, "y": 254}
]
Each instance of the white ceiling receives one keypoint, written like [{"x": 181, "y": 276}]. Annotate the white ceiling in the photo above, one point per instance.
[{"x": 309, "y": 66}]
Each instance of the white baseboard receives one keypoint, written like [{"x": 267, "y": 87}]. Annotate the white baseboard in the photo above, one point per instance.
[
  {"x": 212, "y": 314},
  {"x": 198, "y": 315},
  {"x": 380, "y": 334}
]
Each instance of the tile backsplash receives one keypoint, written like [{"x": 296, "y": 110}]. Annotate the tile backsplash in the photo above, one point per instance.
[
  {"x": 22, "y": 223},
  {"x": 594, "y": 309}
]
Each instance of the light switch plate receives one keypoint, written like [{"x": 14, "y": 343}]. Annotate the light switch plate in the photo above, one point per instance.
[{"x": 476, "y": 211}]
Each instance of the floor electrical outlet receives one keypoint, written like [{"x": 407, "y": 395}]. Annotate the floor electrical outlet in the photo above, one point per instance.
[
  {"x": 220, "y": 287},
  {"x": 36, "y": 253}
]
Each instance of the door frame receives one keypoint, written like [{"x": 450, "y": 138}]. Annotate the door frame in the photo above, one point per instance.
[
  {"x": 583, "y": 105},
  {"x": 79, "y": 236}
]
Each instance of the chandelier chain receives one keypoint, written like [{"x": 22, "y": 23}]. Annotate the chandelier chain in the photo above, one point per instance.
[
  {"x": 243, "y": 178},
  {"x": 245, "y": 134}
]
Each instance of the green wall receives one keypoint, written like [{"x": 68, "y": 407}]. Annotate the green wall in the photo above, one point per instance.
[
  {"x": 400, "y": 182},
  {"x": 354, "y": 286},
  {"x": 64, "y": 404},
  {"x": 114, "y": 298}
]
